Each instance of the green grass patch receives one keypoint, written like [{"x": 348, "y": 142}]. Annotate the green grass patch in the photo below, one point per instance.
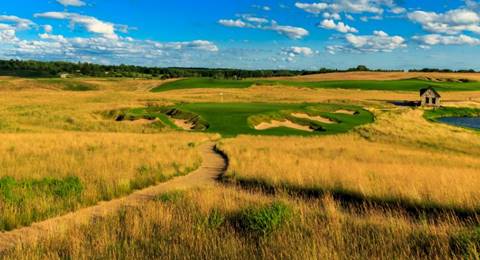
[
  {"x": 23, "y": 194},
  {"x": 172, "y": 196},
  {"x": 192, "y": 83},
  {"x": 435, "y": 114},
  {"x": 461, "y": 117},
  {"x": 389, "y": 85},
  {"x": 263, "y": 220}
]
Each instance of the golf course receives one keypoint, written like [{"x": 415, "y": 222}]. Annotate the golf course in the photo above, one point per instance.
[{"x": 332, "y": 167}]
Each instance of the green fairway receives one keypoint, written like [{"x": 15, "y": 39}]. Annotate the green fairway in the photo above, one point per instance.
[
  {"x": 203, "y": 83},
  {"x": 390, "y": 85},
  {"x": 232, "y": 119}
]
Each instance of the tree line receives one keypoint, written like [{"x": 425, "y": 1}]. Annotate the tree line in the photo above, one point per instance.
[{"x": 30, "y": 68}]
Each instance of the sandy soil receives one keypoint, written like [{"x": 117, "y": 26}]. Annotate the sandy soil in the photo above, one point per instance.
[
  {"x": 344, "y": 111},
  {"x": 213, "y": 165},
  {"x": 287, "y": 123},
  {"x": 382, "y": 76},
  {"x": 139, "y": 121},
  {"x": 320, "y": 119},
  {"x": 183, "y": 124}
]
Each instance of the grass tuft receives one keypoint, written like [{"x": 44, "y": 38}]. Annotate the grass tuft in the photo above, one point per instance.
[{"x": 263, "y": 220}]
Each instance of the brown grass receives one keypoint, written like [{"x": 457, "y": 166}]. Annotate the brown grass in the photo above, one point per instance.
[
  {"x": 108, "y": 165},
  {"x": 382, "y": 76},
  {"x": 202, "y": 224}
]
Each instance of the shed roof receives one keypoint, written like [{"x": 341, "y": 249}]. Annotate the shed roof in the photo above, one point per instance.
[{"x": 424, "y": 90}]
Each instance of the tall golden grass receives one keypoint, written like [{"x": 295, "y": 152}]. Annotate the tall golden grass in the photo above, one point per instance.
[
  {"x": 400, "y": 156},
  {"x": 107, "y": 165},
  {"x": 202, "y": 224}
]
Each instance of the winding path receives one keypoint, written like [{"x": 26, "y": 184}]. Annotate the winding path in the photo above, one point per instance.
[{"x": 213, "y": 165}]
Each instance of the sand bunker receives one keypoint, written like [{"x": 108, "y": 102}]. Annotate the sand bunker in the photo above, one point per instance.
[
  {"x": 183, "y": 124},
  {"x": 314, "y": 118},
  {"x": 287, "y": 123},
  {"x": 344, "y": 111}
]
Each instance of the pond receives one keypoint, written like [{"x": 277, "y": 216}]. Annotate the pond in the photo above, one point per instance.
[{"x": 472, "y": 122}]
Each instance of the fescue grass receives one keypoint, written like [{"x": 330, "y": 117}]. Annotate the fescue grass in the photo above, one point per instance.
[
  {"x": 389, "y": 85},
  {"x": 204, "y": 224},
  {"x": 45, "y": 175}
]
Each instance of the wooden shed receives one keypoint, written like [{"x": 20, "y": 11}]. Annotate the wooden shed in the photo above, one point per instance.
[{"x": 430, "y": 97}]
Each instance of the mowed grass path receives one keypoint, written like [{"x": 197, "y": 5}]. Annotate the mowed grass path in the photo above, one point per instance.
[
  {"x": 231, "y": 119},
  {"x": 391, "y": 85}
]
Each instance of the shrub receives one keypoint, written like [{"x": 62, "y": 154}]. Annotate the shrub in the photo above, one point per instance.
[
  {"x": 466, "y": 243},
  {"x": 263, "y": 220},
  {"x": 173, "y": 196},
  {"x": 215, "y": 219}
]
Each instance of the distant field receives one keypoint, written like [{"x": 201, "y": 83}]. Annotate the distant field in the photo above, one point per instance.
[
  {"x": 368, "y": 75},
  {"x": 77, "y": 84},
  {"x": 389, "y": 85}
]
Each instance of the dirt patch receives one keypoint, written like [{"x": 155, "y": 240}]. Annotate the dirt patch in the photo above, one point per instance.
[
  {"x": 142, "y": 121},
  {"x": 286, "y": 123},
  {"x": 183, "y": 124},
  {"x": 348, "y": 112},
  {"x": 320, "y": 119}
]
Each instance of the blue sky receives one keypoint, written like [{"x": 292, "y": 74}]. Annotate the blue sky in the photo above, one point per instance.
[{"x": 252, "y": 34}]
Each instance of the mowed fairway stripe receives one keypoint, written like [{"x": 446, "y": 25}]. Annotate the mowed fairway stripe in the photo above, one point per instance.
[{"x": 213, "y": 165}]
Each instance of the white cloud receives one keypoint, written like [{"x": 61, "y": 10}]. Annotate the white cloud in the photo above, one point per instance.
[
  {"x": 262, "y": 7},
  {"x": 76, "y": 3},
  {"x": 333, "y": 8},
  {"x": 48, "y": 28},
  {"x": 331, "y": 16},
  {"x": 340, "y": 26},
  {"x": 7, "y": 34},
  {"x": 347, "y": 6},
  {"x": 90, "y": 23},
  {"x": 296, "y": 51},
  {"x": 17, "y": 22},
  {"x": 437, "y": 39},
  {"x": 452, "y": 22},
  {"x": 255, "y": 19},
  {"x": 104, "y": 50},
  {"x": 314, "y": 8},
  {"x": 233, "y": 23},
  {"x": 378, "y": 42},
  {"x": 291, "y": 32},
  {"x": 398, "y": 10}
]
